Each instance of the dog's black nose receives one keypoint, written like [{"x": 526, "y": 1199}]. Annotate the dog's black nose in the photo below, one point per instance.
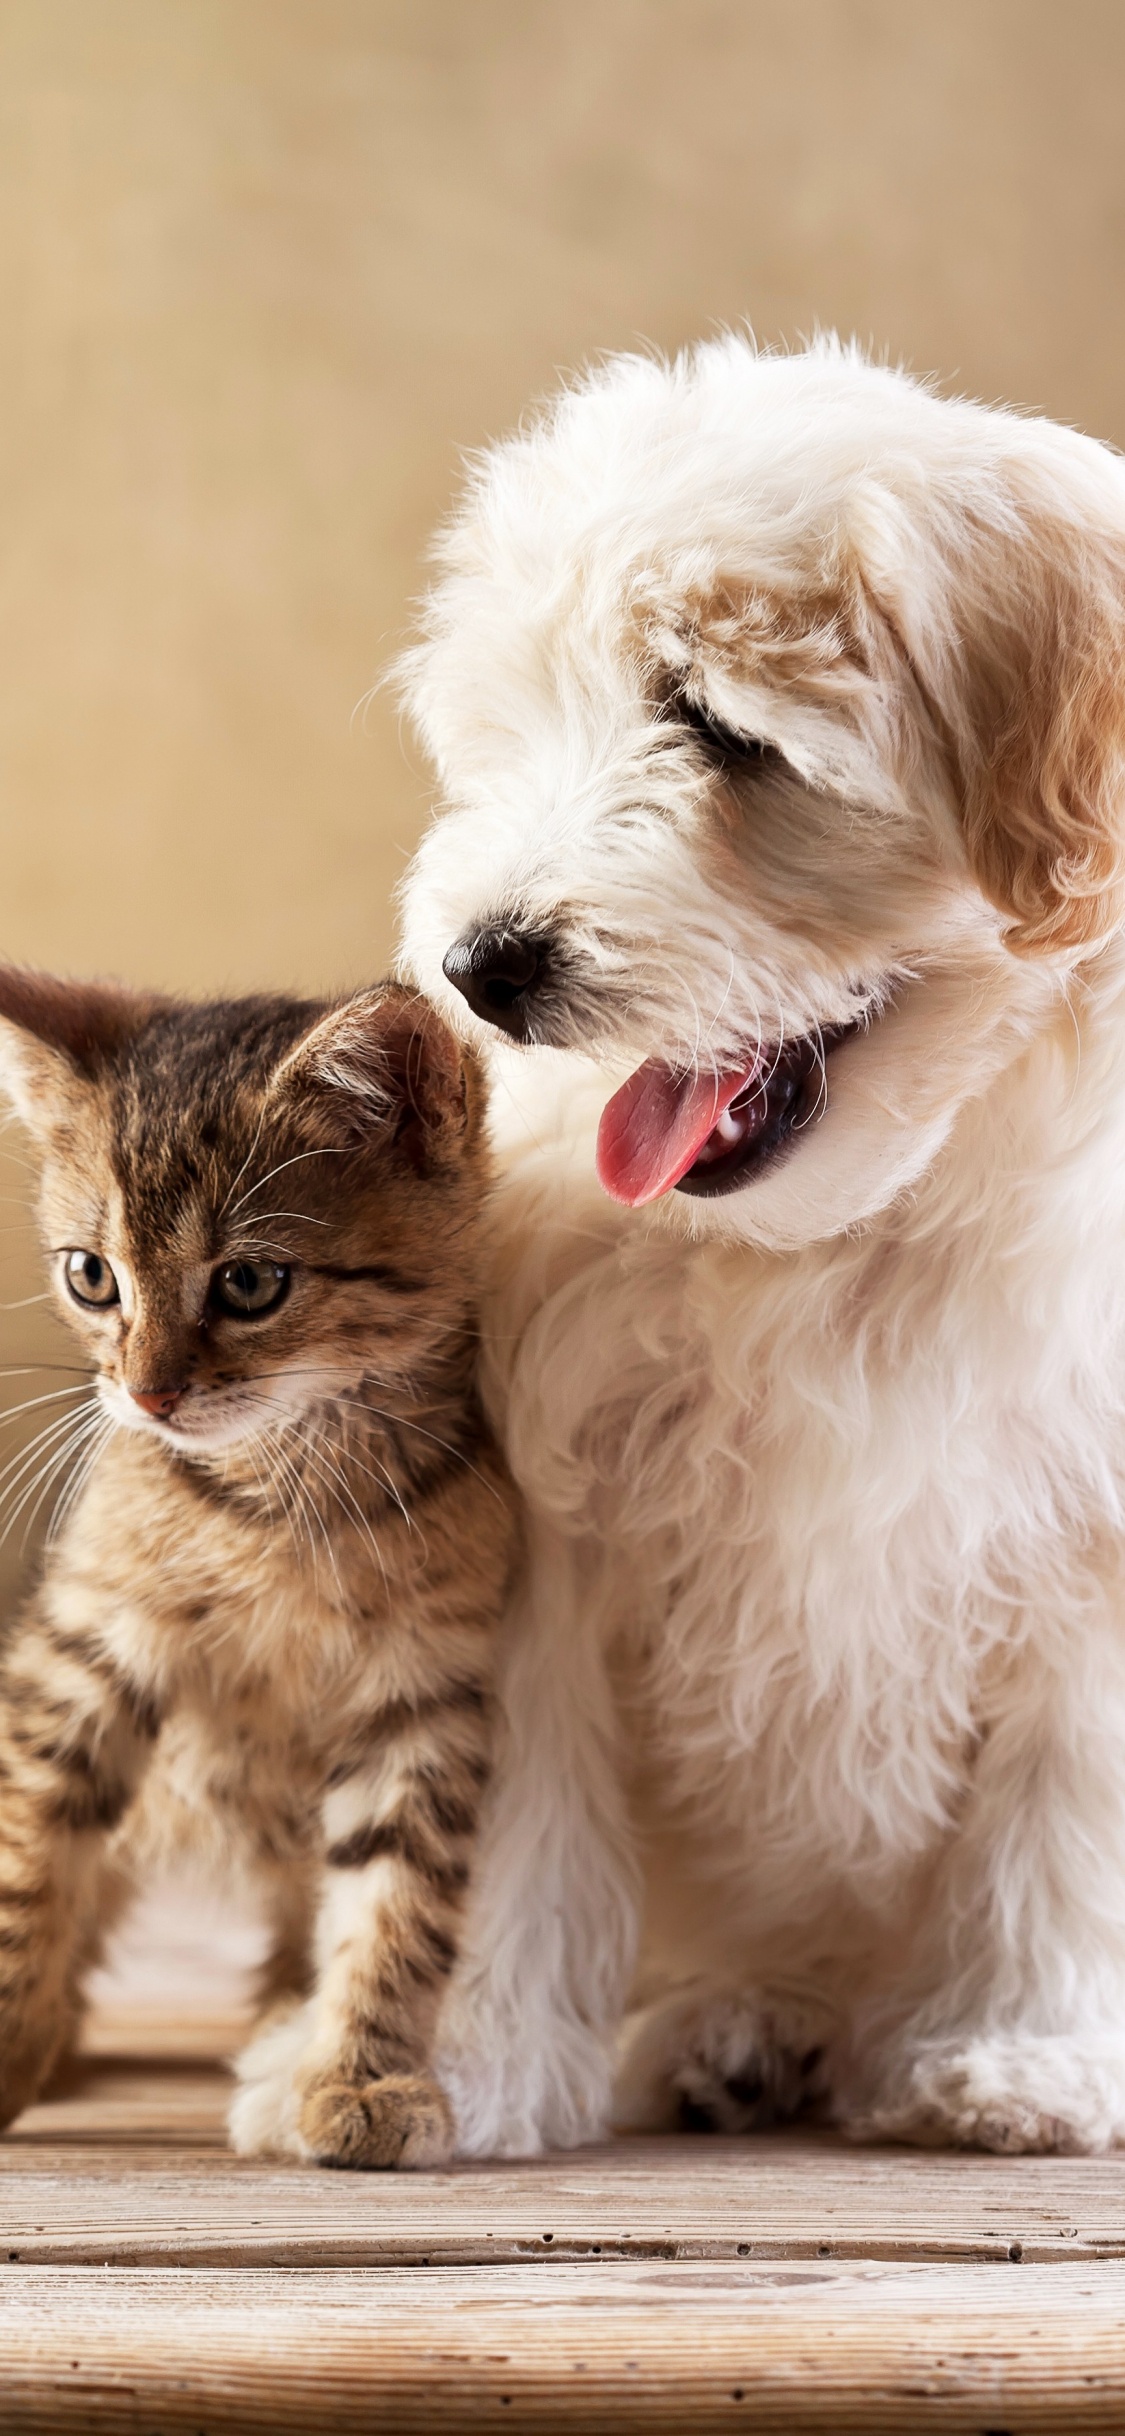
[{"x": 497, "y": 971}]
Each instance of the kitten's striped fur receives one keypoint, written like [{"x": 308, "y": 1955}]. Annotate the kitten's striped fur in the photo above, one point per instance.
[{"x": 270, "y": 1613}]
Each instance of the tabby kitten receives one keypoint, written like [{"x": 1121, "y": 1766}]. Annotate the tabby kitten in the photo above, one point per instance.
[{"x": 273, "y": 1599}]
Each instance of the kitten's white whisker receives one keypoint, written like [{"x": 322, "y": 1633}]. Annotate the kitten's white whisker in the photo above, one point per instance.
[
  {"x": 12, "y": 1412},
  {"x": 274, "y": 1482},
  {"x": 49, "y": 1370},
  {"x": 307, "y": 1493},
  {"x": 303, "y": 1217},
  {"x": 262, "y": 1247},
  {"x": 306, "y": 1503},
  {"x": 72, "y": 1489},
  {"x": 303, "y": 1507},
  {"x": 305, "y": 1445},
  {"x": 270, "y": 1486},
  {"x": 399, "y": 1421},
  {"x": 338, "y": 1488},
  {"x": 344, "y": 1452},
  {"x": 8, "y": 1152},
  {"x": 360, "y": 1403},
  {"x": 43, "y": 1465},
  {"x": 24, "y": 1455},
  {"x": 240, "y": 1172},
  {"x": 327, "y": 1151},
  {"x": 382, "y": 1478},
  {"x": 300, "y": 1519},
  {"x": 42, "y": 1461}
]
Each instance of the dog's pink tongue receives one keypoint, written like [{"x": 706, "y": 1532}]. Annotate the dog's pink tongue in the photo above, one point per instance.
[{"x": 654, "y": 1128}]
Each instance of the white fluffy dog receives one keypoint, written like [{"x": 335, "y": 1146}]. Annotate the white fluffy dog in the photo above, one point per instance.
[{"x": 779, "y": 707}]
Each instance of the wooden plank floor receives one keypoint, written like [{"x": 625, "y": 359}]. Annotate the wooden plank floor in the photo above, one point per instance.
[{"x": 154, "y": 2283}]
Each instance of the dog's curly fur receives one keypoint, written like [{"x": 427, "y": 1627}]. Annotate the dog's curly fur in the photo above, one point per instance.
[{"x": 818, "y": 1704}]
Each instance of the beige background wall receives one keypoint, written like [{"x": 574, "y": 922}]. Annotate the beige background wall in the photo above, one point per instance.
[{"x": 268, "y": 266}]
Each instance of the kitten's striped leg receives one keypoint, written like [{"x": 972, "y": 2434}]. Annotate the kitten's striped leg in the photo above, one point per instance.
[
  {"x": 400, "y": 1836},
  {"x": 74, "y": 1740},
  {"x": 289, "y": 1889},
  {"x": 399, "y": 1828}
]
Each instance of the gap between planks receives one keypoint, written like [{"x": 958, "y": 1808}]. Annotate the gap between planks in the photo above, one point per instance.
[
  {"x": 126, "y": 2165},
  {"x": 851, "y": 2350},
  {"x": 155, "y": 2283}
]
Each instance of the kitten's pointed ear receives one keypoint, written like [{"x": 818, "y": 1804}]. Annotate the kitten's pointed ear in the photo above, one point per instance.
[
  {"x": 55, "y": 1034},
  {"x": 384, "y": 1066}
]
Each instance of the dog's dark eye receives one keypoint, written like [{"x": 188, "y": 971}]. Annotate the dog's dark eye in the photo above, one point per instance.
[
  {"x": 726, "y": 743},
  {"x": 244, "y": 1289}
]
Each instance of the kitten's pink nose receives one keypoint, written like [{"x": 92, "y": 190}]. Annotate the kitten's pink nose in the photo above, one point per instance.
[{"x": 161, "y": 1402}]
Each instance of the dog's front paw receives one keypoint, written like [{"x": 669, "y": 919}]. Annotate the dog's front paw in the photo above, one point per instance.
[
  {"x": 720, "y": 2060},
  {"x": 402, "y": 2120},
  {"x": 1015, "y": 2094},
  {"x": 521, "y": 2082}
]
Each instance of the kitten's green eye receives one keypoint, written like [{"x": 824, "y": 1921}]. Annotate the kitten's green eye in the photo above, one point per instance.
[
  {"x": 90, "y": 1279},
  {"x": 246, "y": 1288}
]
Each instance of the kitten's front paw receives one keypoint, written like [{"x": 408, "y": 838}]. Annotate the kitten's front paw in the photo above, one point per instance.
[{"x": 402, "y": 2120}]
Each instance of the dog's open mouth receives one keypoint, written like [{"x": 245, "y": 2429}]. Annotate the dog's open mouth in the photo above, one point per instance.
[{"x": 711, "y": 1133}]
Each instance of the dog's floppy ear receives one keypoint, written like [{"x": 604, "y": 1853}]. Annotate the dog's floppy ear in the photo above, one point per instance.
[{"x": 1033, "y": 696}]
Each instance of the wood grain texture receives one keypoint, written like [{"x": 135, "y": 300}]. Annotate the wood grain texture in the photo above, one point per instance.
[
  {"x": 126, "y": 2102},
  {"x": 660, "y": 2348},
  {"x": 126, "y": 2164},
  {"x": 150, "y": 2283},
  {"x": 781, "y": 2198}
]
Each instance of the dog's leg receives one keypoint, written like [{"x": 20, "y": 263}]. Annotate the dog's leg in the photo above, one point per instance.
[
  {"x": 525, "y": 2035},
  {"x": 704, "y": 2058},
  {"x": 1017, "y": 2038}
]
